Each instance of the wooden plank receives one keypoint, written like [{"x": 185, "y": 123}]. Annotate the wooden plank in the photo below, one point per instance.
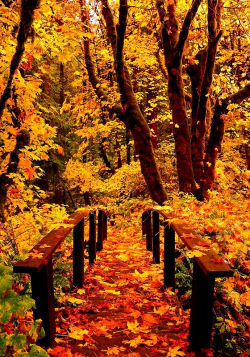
[
  {"x": 43, "y": 251},
  {"x": 211, "y": 263}
]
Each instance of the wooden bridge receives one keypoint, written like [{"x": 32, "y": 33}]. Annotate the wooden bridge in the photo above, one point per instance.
[{"x": 205, "y": 269}]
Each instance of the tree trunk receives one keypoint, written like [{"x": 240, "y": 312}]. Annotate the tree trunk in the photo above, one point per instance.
[
  {"x": 180, "y": 130},
  {"x": 128, "y": 146},
  {"x": 22, "y": 139}
]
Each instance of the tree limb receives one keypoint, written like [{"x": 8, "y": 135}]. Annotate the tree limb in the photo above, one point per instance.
[
  {"x": 217, "y": 133},
  {"x": 186, "y": 25},
  {"x": 121, "y": 30},
  {"x": 94, "y": 80},
  {"x": 237, "y": 97},
  {"x": 110, "y": 24}
]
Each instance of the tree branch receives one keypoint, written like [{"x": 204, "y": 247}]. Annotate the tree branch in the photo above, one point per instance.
[
  {"x": 216, "y": 135},
  {"x": 110, "y": 24},
  {"x": 186, "y": 25},
  {"x": 121, "y": 30},
  {"x": 169, "y": 28},
  {"x": 94, "y": 80},
  {"x": 237, "y": 97}
]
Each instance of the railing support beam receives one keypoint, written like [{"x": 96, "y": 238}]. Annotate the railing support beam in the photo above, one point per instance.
[
  {"x": 105, "y": 226},
  {"x": 201, "y": 309},
  {"x": 99, "y": 244},
  {"x": 156, "y": 238},
  {"x": 169, "y": 255},
  {"x": 92, "y": 237},
  {"x": 78, "y": 254},
  {"x": 43, "y": 294}
]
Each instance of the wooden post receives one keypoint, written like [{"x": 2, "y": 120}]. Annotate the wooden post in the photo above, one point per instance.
[
  {"x": 99, "y": 244},
  {"x": 78, "y": 254},
  {"x": 149, "y": 231},
  {"x": 143, "y": 223},
  {"x": 169, "y": 255},
  {"x": 92, "y": 237},
  {"x": 201, "y": 309},
  {"x": 105, "y": 226},
  {"x": 43, "y": 294},
  {"x": 156, "y": 238}
]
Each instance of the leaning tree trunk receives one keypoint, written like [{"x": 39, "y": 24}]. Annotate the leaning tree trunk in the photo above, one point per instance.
[{"x": 128, "y": 109}]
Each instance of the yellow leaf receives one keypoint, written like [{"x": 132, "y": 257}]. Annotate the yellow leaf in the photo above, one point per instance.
[
  {"x": 77, "y": 333},
  {"x": 113, "y": 351},
  {"x": 81, "y": 291},
  {"x": 133, "y": 326},
  {"x": 76, "y": 301},
  {"x": 113, "y": 292},
  {"x": 194, "y": 253},
  {"x": 135, "y": 342},
  {"x": 175, "y": 351}
]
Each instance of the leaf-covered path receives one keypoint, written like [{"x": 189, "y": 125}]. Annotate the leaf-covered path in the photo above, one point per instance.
[{"x": 122, "y": 310}]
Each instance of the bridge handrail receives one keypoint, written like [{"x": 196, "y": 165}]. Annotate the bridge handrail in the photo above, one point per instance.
[
  {"x": 205, "y": 269},
  {"x": 39, "y": 263}
]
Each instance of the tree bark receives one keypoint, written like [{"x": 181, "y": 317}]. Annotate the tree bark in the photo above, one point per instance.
[
  {"x": 128, "y": 110},
  {"x": 216, "y": 136},
  {"x": 26, "y": 19},
  {"x": 22, "y": 139},
  {"x": 173, "y": 46},
  {"x": 198, "y": 132}
]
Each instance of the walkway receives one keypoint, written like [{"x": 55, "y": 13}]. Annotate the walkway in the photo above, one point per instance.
[{"x": 122, "y": 310}]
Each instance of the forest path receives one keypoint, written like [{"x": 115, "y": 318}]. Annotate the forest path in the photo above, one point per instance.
[{"x": 122, "y": 310}]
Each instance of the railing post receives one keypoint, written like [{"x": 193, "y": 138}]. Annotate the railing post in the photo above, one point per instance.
[
  {"x": 43, "y": 294},
  {"x": 201, "y": 309},
  {"x": 78, "y": 254},
  {"x": 143, "y": 223},
  {"x": 156, "y": 238},
  {"x": 169, "y": 255},
  {"x": 92, "y": 237},
  {"x": 105, "y": 226},
  {"x": 149, "y": 231},
  {"x": 147, "y": 228},
  {"x": 99, "y": 244}
]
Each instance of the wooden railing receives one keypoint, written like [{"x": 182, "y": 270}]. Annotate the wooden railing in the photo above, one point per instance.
[
  {"x": 205, "y": 269},
  {"x": 40, "y": 266}
]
